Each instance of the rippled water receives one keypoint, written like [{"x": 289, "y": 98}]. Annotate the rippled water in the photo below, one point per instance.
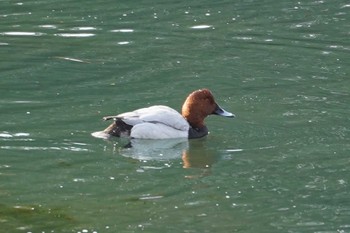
[{"x": 281, "y": 66}]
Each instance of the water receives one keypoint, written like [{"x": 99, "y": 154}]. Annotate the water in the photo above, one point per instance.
[{"x": 281, "y": 66}]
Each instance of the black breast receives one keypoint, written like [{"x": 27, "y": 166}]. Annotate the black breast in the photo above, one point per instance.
[{"x": 197, "y": 132}]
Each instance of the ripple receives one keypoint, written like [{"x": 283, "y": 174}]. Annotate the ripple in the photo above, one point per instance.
[
  {"x": 18, "y": 139},
  {"x": 75, "y": 35},
  {"x": 204, "y": 26},
  {"x": 22, "y": 33},
  {"x": 310, "y": 223},
  {"x": 123, "y": 42},
  {"x": 84, "y": 28},
  {"x": 48, "y": 26},
  {"x": 43, "y": 148},
  {"x": 234, "y": 150},
  {"x": 23, "y": 136},
  {"x": 20, "y": 102},
  {"x": 79, "y": 180},
  {"x": 16, "y": 14},
  {"x": 123, "y": 30},
  {"x": 303, "y": 25},
  {"x": 72, "y": 59},
  {"x": 6, "y": 134},
  {"x": 148, "y": 197},
  {"x": 242, "y": 37},
  {"x": 313, "y": 98}
]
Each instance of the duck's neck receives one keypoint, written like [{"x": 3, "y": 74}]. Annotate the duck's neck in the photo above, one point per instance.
[
  {"x": 197, "y": 128},
  {"x": 193, "y": 115},
  {"x": 197, "y": 132},
  {"x": 194, "y": 121}
]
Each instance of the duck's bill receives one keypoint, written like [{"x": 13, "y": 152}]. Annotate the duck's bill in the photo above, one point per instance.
[{"x": 222, "y": 112}]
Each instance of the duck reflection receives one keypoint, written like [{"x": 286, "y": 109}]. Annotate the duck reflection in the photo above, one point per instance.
[
  {"x": 195, "y": 153},
  {"x": 158, "y": 150},
  {"x": 198, "y": 155}
]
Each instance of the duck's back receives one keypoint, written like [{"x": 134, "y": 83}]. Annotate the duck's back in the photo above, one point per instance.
[{"x": 158, "y": 114}]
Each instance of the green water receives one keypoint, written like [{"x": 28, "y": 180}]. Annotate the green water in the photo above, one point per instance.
[{"x": 281, "y": 66}]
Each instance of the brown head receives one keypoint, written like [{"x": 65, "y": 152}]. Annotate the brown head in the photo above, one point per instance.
[{"x": 198, "y": 105}]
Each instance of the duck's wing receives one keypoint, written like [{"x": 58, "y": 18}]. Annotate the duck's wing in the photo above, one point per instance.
[
  {"x": 164, "y": 115},
  {"x": 152, "y": 130},
  {"x": 155, "y": 114},
  {"x": 131, "y": 118}
]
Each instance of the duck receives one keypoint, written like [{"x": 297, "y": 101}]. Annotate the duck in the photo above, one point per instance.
[{"x": 163, "y": 122}]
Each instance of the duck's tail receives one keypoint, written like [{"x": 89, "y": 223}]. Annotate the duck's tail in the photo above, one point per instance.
[{"x": 118, "y": 128}]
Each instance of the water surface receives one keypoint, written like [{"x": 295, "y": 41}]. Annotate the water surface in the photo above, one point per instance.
[{"x": 281, "y": 166}]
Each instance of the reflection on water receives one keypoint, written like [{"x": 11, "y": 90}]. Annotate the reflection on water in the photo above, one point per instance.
[
  {"x": 158, "y": 150},
  {"x": 198, "y": 155},
  {"x": 194, "y": 153}
]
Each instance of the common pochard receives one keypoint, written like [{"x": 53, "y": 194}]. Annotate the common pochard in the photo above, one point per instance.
[{"x": 162, "y": 122}]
